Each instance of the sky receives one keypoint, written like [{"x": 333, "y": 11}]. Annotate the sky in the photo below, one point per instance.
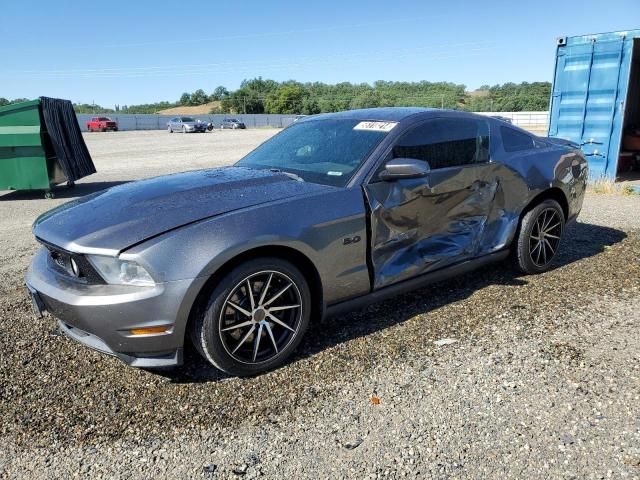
[{"x": 141, "y": 51}]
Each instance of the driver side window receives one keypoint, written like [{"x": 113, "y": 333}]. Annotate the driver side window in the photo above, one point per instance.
[{"x": 446, "y": 142}]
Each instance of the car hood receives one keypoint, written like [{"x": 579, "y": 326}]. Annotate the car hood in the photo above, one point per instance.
[{"x": 110, "y": 221}]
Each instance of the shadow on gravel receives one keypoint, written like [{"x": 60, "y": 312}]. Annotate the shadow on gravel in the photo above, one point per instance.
[
  {"x": 61, "y": 191},
  {"x": 581, "y": 241}
]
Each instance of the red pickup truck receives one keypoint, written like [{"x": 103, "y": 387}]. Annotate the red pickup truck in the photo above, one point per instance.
[{"x": 102, "y": 124}]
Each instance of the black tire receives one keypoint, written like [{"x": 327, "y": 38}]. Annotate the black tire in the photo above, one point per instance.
[
  {"x": 104, "y": 129},
  {"x": 534, "y": 253},
  {"x": 212, "y": 331}
]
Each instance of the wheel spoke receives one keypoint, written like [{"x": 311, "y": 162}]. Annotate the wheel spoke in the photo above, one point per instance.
[
  {"x": 239, "y": 325},
  {"x": 548, "y": 243},
  {"x": 548, "y": 235},
  {"x": 276, "y": 296},
  {"x": 273, "y": 340},
  {"x": 284, "y": 307},
  {"x": 250, "y": 295},
  {"x": 279, "y": 322},
  {"x": 551, "y": 228},
  {"x": 541, "y": 221},
  {"x": 239, "y": 308},
  {"x": 244, "y": 339},
  {"x": 547, "y": 220},
  {"x": 539, "y": 253},
  {"x": 538, "y": 243},
  {"x": 264, "y": 289},
  {"x": 256, "y": 345}
]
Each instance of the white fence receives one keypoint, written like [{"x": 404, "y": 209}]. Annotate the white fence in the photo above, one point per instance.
[
  {"x": 159, "y": 122},
  {"x": 531, "y": 120},
  {"x": 523, "y": 119}
]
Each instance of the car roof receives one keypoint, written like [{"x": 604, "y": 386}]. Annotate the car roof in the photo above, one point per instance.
[{"x": 385, "y": 114}]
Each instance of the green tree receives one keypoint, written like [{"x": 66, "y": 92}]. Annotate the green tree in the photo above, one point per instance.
[
  {"x": 198, "y": 97},
  {"x": 185, "y": 99},
  {"x": 288, "y": 98},
  {"x": 219, "y": 93}
]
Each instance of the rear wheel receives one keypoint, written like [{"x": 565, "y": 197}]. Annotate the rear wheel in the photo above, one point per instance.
[
  {"x": 539, "y": 237},
  {"x": 255, "y": 317}
]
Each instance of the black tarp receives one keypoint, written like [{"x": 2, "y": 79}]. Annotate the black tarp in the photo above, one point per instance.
[{"x": 63, "y": 137}]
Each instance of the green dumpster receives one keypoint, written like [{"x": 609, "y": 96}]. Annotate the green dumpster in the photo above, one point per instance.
[{"x": 41, "y": 145}]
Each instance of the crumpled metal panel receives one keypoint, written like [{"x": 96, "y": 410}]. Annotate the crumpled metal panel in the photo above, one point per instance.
[{"x": 424, "y": 224}]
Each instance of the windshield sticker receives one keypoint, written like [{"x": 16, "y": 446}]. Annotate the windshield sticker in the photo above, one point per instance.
[
  {"x": 335, "y": 174},
  {"x": 376, "y": 126}
]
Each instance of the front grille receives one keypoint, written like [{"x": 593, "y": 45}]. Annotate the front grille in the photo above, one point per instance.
[{"x": 61, "y": 262}]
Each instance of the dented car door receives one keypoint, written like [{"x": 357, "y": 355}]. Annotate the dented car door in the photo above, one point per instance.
[{"x": 423, "y": 224}]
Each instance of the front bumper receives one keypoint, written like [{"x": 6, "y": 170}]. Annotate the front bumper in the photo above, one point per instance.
[{"x": 102, "y": 316}]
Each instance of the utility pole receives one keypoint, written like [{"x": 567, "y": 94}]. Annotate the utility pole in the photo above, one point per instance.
[
  {"x": 244, "y": 101},
  {"x": 442, "y": 103}
]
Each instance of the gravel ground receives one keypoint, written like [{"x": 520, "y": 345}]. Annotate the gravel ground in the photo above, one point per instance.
[{"x": 539, "y": 378}]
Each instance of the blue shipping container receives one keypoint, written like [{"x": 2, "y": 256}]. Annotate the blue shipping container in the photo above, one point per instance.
[{"x": 596, "y": 95}]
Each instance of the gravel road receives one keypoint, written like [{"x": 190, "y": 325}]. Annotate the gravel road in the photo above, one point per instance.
[{"x": 539, "y": 376}]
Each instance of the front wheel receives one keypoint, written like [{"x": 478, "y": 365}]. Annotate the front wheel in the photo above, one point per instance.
[
  {"x": 255, "y": 317},
  {"x": 169, "y": 129},
  {"x": 539, "y": 237}
]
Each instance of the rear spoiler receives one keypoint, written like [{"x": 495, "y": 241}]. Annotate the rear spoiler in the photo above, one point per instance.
[{"x": 562, "y": 142}]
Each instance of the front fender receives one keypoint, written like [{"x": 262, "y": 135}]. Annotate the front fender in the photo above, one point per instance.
[{"x": 316, "y": 226}]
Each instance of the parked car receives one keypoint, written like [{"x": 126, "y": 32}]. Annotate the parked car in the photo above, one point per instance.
[
  {"x": 186, "y": 125},
  {"x": 232, "y": 123},
  {"x": 336, "y": 211},
  {"x": 102, "y": 124}
]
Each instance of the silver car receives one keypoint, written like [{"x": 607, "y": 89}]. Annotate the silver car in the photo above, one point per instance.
[
  {"x": 186, "y": 125},
  {"x": 335, "y": 212}
]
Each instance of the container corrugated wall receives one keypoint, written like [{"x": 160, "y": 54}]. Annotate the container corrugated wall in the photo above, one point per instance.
[{"x": 591, "y": 93}]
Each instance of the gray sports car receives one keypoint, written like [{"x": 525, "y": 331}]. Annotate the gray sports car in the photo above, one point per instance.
[
  {"x": 186, "y": 125},
  {"x": 334, "y": 212}
]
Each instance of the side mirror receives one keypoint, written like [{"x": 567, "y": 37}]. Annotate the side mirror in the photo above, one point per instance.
[{"x": 404, "y": 168}]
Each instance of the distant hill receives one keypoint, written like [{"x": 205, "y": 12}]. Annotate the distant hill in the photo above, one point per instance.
[{"x": 191, "y": 110}]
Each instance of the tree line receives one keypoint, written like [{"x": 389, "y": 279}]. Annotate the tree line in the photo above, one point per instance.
[{"x": 260, "y": 95}]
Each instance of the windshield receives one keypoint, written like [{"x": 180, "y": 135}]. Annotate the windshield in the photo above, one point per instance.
[
  {"x": 321, "y": 151},
  {"x": 187, "y": 119},
  {"x": 104, "y": 119}
]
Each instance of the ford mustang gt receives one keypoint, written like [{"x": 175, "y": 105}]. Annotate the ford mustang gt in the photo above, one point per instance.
[{"x": 336, "y": 211}]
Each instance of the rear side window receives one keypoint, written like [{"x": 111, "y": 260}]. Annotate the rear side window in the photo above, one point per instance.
[
  {"x": 515, "y": 141},
  {"x": 446, "y": 142}
]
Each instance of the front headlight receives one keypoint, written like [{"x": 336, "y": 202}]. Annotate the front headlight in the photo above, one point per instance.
[{"x": 120, "y": 272}]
